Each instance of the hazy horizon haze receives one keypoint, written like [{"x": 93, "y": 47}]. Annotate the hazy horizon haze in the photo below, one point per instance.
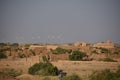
[{"x": 59, "y": 21}]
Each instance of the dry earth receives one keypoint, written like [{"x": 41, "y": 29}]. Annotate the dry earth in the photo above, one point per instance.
[{"x": 83, "y": 68}]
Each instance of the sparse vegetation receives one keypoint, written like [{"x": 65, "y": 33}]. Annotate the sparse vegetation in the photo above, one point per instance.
[
  {"x": 22, "y": 55},
  {"x": 15, "y": 44},
  {"x": 104, "y": 50},
  {"x": 3, "y": 44},
  {"x": 61, "y": 51},
  {"x": 77, "y": 55},
  {"x": 108, "y": 60},
  {"x": 106, "y": 75},
  {"x": 45, "y": 59},
  {"x": 47, "y": 78},
  {"x": 116, "y": 52},
  {"x": 95, "y": 52},
  {"x": 11, "y": 72},
  {"x": 33, "y": 53},
  {"x": 72, "y": 77},
  {"x": 68, "y": 58}
]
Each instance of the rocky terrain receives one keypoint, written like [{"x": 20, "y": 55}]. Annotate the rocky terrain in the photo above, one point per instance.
[{"x": 21, "y": 57}]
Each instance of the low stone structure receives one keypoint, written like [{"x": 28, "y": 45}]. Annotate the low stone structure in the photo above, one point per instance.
[
  {"x": 108, "y": 45},
  {"x": 48, "y": 47},
  {"x": 36, "y": 46},
  {"x": 81, "y": 44},
  {"x": 51, "y": 47}
]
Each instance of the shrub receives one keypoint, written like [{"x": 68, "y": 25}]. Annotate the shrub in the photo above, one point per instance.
[
  {"x": 43, "y": 69},
  {"x": 61, "y": 51},
  {"x": 77, "y": 55},
  {"x": 72, "y": 77}
]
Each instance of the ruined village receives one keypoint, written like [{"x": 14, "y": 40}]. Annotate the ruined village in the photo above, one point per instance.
[{"x": 81, "y": 58}]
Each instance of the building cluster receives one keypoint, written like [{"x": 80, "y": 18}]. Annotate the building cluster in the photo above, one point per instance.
[{"x": 108, "y": 44}]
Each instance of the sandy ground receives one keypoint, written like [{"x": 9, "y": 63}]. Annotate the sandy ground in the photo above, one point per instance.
[{"x": 83, "y": 68}]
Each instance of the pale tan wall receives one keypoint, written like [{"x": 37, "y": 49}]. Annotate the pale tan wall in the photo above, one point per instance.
[
  {"x": 51, "y": 47},
  {"x": 36, "y": 46},
  {"x": 104, "y": 45}
]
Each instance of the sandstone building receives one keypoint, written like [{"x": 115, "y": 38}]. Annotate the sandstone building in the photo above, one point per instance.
[{"x": 108, "y": 45}]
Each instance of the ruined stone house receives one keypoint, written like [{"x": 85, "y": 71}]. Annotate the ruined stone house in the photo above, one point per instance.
[{"x": 108, "y": 44}]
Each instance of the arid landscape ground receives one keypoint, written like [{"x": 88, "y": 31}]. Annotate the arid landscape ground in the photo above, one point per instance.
[{"x": 21, "y": 57}]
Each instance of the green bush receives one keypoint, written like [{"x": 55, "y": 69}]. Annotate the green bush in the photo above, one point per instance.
[
  {"x": 77, "y": 55},
  {"x": 43, "y": 69},
  {"x": 72, "y": 77},
  {"x": 61, "y": 51}
]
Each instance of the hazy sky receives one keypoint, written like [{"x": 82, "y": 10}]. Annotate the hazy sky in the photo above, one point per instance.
[{"x": 59, "y": 21}]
